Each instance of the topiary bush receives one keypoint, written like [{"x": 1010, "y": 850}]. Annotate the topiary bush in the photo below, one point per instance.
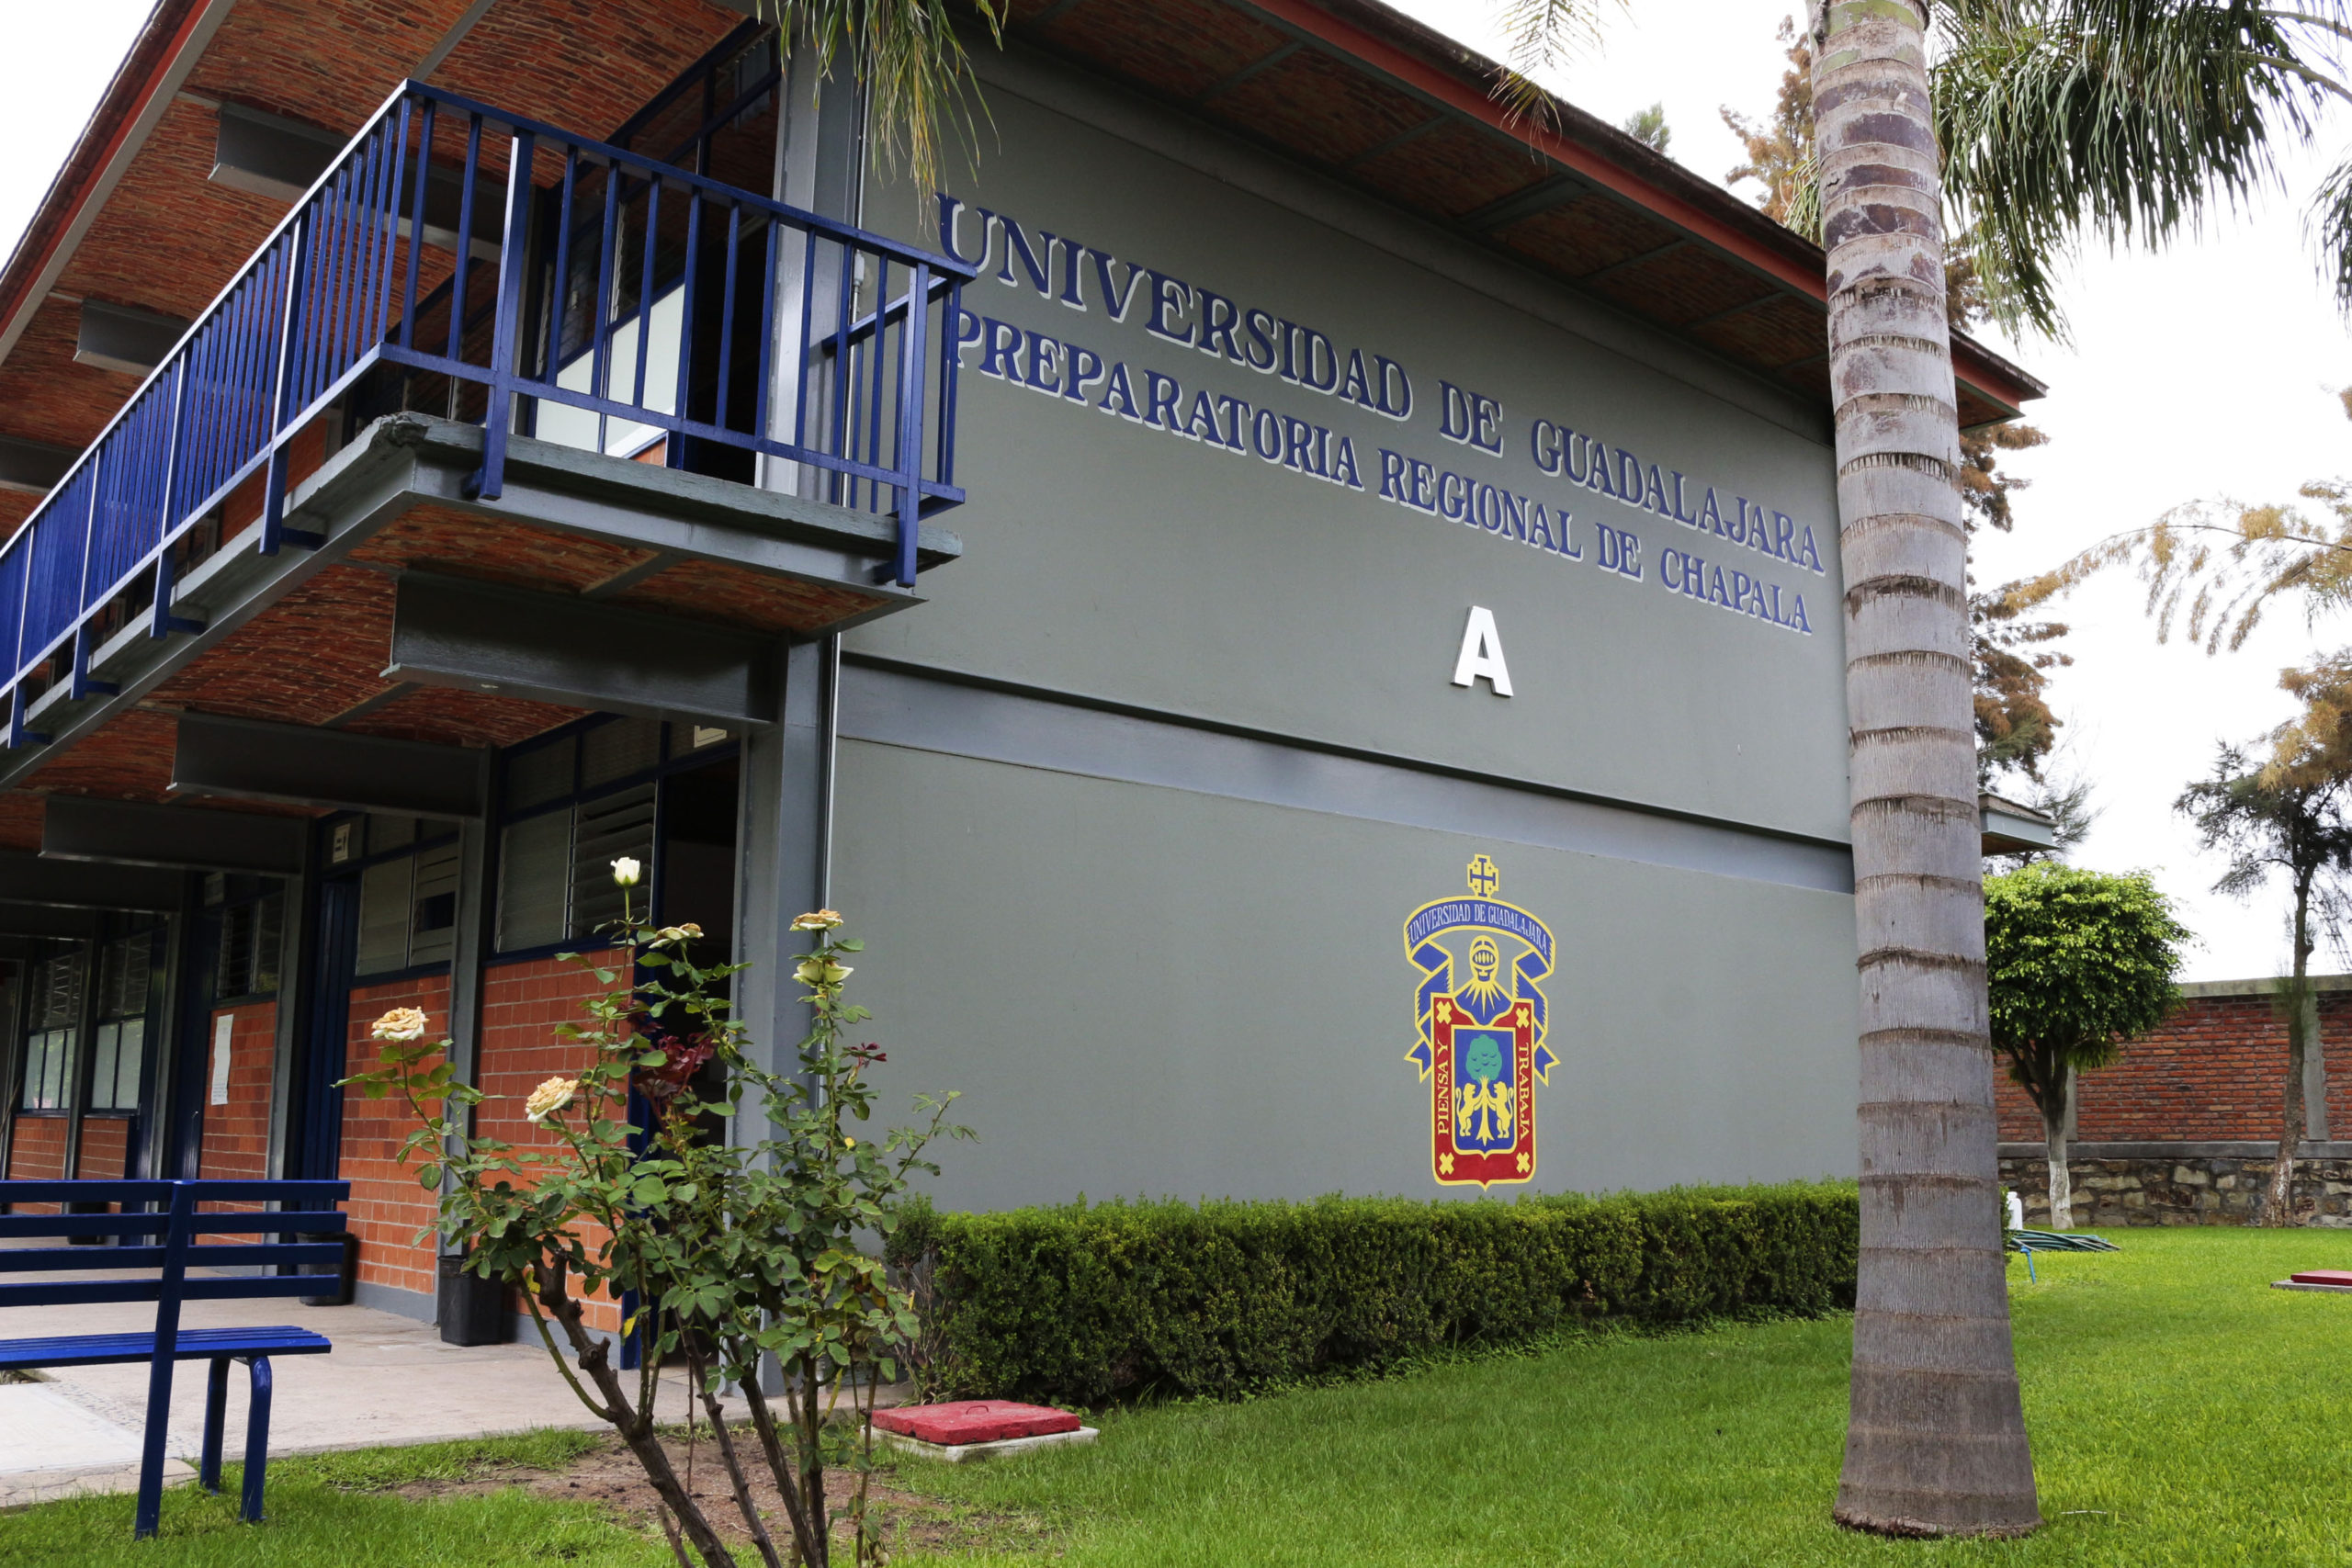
[{"x": 1087, "y": 1304}]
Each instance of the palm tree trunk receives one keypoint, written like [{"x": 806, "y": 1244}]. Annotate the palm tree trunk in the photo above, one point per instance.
[{"x": 1935, "y": 1443}]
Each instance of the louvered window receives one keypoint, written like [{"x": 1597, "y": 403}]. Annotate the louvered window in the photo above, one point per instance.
[
  {"x": 408, "y": 902},
  {"x": 573, "y": 805}
]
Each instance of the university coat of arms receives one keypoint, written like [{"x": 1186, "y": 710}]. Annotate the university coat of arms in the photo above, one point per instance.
[{"x": 1479, "y": 1016}]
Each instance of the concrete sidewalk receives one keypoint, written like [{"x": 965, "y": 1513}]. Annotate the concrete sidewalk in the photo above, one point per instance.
[{"x": 390, "y": 1381}]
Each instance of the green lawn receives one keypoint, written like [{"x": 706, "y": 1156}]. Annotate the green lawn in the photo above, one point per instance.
[
  {"x": 2183, "y": 1413},
  {"x": 336, "y": 1511}
]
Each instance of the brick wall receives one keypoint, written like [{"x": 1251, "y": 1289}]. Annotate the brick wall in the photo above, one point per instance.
[
  {"x": 236, "y": 1135},
  {"x": 388, "y": 1207},
  {"x": 38, "y": 1154},
  {"x": 522, "y": 1004},
  {"x": 104, "y": 1154},
  {"x": 2215, "y": 1071}
]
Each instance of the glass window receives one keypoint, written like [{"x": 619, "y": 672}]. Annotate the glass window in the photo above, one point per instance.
[
  {"x": 535, "y": 881},
  {"x": 541, "y": 774},
  {"x": 432, "y": 920},
  {"x": 619, "y": 751},
  {"x": 49, "y": 1041},
  {"x": 251, "y": 935},
  {"x": 554, "y": 877},
  {"x": 384, "y": 898},
  {"x": 117, "y": 1047},
  {"x": 615, "y": 826},
  {"x": 408, "y": 904}
]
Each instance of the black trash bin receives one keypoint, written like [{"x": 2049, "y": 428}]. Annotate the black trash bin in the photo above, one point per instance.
[
  {"x": 471, "y": 1310},
  {"x": 347, "y": 1274}
]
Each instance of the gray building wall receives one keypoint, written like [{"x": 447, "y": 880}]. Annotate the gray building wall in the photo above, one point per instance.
[{"x": 1132, "y": 813}]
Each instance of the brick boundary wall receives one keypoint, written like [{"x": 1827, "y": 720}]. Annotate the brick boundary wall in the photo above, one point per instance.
[
  {"x": 2184, "y": 1128},
  {"x": 2214, "y": 1072}
]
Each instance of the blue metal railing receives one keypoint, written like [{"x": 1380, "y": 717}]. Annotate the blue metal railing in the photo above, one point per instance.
[{"x": 462, "y": 260}]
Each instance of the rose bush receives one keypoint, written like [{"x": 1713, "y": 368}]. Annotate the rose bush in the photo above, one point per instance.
[{"x": 741, "y": 1255}]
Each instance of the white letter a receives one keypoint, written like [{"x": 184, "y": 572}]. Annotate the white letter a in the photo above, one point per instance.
[{"x": 1482, "y": 653}]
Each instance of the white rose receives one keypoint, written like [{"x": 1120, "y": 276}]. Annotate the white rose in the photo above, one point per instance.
[
  {"x": 400, "y": 1023},
  {"x": 549, "y": 1098}
]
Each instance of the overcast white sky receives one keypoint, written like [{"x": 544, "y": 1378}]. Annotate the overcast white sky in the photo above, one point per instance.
[{"x": 2203, "y": 372}]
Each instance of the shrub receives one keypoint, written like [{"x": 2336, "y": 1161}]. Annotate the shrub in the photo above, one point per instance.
[{"x": 1086, "y": 1303}]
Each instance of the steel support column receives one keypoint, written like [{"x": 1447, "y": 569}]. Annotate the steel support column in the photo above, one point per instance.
[
  {"x": 293, "y": 999},
  {"x": 470, "y": 951},
  {"x": 784, "y": 841},
  {"x": 158, "y": 1107}
]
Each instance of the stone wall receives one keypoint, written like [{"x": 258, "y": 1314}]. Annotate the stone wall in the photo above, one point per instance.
[{"x": 2182, "y": 1184}]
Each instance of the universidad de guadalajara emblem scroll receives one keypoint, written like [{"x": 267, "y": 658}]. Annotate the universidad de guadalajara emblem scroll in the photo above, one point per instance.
[{"x": 1479, "y": 1013}]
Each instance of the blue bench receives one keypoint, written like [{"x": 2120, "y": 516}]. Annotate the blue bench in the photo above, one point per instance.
[{"x": 158, "y": 1227}]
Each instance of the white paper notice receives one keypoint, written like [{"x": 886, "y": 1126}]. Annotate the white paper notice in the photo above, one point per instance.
[{"x": 222, "y": 1028}]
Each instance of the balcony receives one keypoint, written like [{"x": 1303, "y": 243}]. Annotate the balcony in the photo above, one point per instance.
[{"x": 481, "y": 297}]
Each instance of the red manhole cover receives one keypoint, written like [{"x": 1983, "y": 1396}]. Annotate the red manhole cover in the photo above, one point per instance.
[
  {"x": 973, "y": 1421},
  {"x": 2324, "y": 1277}
]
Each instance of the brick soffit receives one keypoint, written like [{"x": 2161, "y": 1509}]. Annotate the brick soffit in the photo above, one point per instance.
[{"x": 161, "y": 57}]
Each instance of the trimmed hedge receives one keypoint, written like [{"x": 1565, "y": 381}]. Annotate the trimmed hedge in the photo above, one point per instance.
[{"x": 1086, "y": 1303}]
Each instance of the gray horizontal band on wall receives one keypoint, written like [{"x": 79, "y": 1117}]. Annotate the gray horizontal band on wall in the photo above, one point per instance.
[{"x": 895, "y": 708}]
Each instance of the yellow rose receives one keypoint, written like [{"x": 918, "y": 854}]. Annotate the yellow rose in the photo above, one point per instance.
[
  {"x": 400, "y": 1023},
  {"x": 821, "y": 972},
  {"x": 549, "y": 1098},
  {"x": 818, "y": 920}
]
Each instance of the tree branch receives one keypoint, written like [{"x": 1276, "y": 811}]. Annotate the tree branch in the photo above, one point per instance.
[
  {"x": 595, "y": 1360},
  {"x": 780, "y": 1465},
  {"x": 742, "y": 1488}
]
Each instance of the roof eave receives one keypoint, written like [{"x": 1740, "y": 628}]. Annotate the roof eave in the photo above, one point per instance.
[
  {"x": 143, "y": 73},
  {"x": 1648, "y": 176}
]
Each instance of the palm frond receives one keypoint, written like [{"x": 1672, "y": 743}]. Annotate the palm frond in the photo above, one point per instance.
[
  {"x": 905, "y": 55},
  {"x": 1544, "y": 36},
  {"x": 2331, "y": 228},
  {"x": 2126, "y": 120}
]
